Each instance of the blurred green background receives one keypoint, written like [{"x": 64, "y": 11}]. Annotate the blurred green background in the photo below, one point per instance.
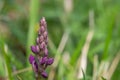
[{"x": 84, "y": 38}]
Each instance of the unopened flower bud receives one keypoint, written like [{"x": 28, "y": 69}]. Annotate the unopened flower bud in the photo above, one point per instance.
[
  {"x": 44, "y": 74},
  {"x": 50, "y": 61},
  {"x": 31, "y": 59},
  {"x": 35, "y": 66},
  {"x": 35, "y": 49},
  {"x": 45, "y": 34},
  {"x": 42, "y": 45},
  {"x": 43, "y": 22},
  {"x": 43, "y": 60},
  {"x": 41, "y": 39},
  {"x": 42, "y": 29}
]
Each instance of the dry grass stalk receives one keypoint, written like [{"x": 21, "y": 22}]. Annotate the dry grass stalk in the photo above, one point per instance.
[
  {"x": 57, "y": 58},
  {"x": 83, "y": 58}
]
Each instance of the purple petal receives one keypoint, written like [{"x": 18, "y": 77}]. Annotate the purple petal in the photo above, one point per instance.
[
  {"x": 31, "y": 59},
  {"x": 44, "y": 60},
  {"x": 41, "y": 39},
  {"x": 42, "y": 46},
  {"x": 50, "y": 61},
  {"x": 45, "y": 34},
  {"x": 43, "y": 22},
  {"x": 42, "y": 29},
  {"x": 44, "y": 74},
  {"x": 35, "y": 49},
  {"x": 34, "y": 66}
]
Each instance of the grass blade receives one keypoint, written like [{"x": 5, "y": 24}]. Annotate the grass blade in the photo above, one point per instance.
[
  {"x": 34, "y": 8},
  {"x": 4, "y": 51}
]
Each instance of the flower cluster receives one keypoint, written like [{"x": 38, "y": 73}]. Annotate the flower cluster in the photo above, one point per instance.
[{"x": 41, "y": 60}]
